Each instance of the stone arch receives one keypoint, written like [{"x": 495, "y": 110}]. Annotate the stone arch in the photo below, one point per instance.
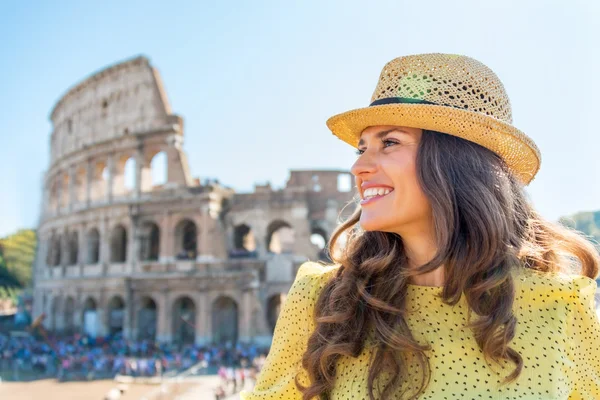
[
  {"x": 147, "y": 318},
  {"x": 93, "y": 246},
  {"x": 72, "y": 248},
  {"x": 90, "y": 304},
  {"x": 318, "y": 237},
  {"x": 116, "y": 315},
  {"x": 150, "y": 241},
  {"x": 118, "y": 244},
  {"x": 184, "y": 320},
  {"x": 186, "y": 240},
  {"x": 280, "y": 237},
  {"x": 224, "y": 320},
  {"x": 244, "y": 242},
  {"x": 273, "y": 309},
  {"x": 69, "y": 315},
  {"x": 159, "y": 168}
]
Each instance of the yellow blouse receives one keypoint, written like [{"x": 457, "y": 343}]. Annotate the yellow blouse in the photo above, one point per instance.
[{"x": 558, "y": 336}]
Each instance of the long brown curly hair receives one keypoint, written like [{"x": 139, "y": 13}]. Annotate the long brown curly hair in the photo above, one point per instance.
[{"x": 484, "y": 227}]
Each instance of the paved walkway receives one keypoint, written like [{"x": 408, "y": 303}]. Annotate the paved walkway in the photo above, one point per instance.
[{"x": 205, "y": 389}]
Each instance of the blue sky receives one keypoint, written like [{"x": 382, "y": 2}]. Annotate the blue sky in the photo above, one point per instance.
[{"x": 255, "y": 81}]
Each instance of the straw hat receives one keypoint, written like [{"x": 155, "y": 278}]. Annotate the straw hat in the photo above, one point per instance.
[{"x": 448, "y": 93}]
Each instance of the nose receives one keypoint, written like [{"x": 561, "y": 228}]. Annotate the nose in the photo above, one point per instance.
[{"x": 365, "y": 164}]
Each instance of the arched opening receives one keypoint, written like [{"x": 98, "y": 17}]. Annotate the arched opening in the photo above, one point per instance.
[
  {"x": 146, "y": 321},
  {"x": 57, "y": 251},
  {"x": 225, "y": 320},
  {"x": 69, "y": 316},
  {"x": 186, "y": 240},
  {"x": 129, "y": 174},
  {"x": 280, "y": 237},
  {"x": 118, "y": 244},
  {"x": 159, "y": 166},
  {"x": 150, "y": 241},
  {"x": 73, "y": 245},
  {"x": 93, "y": 246},
  {"x": 184, "y": 321},
  {"x": 318, "y": 238},
  {"x": 244, "y": 243},
  {"x": 116, "y": 315},
  {"x": 273, "y": 309},
  {"x": 90, "y": 317}
]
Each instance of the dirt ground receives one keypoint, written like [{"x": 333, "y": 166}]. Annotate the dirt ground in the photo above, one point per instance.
[{"x": 49, "y": 389}]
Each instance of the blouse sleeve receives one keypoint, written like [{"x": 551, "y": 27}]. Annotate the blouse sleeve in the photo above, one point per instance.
[
  {"x": 293, "y": 327},
  {"x": 584, "y": 333}
]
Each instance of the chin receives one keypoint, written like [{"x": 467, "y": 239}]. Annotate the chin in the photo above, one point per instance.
[{"x": 372, "y": 224}]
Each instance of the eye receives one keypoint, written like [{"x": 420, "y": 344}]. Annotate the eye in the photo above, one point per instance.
[{"x": 385, "y": 141}]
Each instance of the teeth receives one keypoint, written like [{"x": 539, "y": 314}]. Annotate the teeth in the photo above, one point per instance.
[{"x": 372, "y": 192}]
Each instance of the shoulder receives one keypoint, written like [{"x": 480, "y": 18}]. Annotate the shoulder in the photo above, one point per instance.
[
  {"x": 552, "y": 286},
  {"x": 311, "y": 278},
  {"x": 317, "y": 271}
]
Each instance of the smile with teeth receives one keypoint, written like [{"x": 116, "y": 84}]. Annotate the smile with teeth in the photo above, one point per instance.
[{"x": 376, "y": 192}]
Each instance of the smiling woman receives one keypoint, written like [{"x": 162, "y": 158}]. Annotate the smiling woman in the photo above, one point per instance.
[{"x": 450, "y": 285}]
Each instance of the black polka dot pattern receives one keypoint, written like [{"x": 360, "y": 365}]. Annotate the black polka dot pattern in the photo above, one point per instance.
[{"x": 558, "y": 336}]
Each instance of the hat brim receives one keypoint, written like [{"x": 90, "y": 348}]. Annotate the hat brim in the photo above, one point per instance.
[{"x": 519, "y": 152}]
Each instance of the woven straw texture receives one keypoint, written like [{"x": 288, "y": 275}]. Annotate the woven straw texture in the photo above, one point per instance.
[{"x": 469, "y": 102}]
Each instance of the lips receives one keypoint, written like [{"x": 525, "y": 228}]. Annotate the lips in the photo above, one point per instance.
[{"x": 371, "y": 198}]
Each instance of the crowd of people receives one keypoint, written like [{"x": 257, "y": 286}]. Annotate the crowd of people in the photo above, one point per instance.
[{"x": 80, "y": 357}]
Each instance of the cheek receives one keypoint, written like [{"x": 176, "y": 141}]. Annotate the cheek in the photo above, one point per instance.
[{"x": 410, "y": 192}]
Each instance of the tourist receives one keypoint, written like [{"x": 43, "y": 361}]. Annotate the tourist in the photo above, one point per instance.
[{"x": 450, "y": 284}]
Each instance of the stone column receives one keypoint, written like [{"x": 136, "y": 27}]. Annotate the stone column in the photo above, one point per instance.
[
  {"x": 72, "y": 185},
  {"x": 165, "y": 235},
  {"x": 134, "y": 243},
  {"x": 139, "y": 165},
  {"x": 102, "y": 314},
  {"x": 64, "y": 247},
  {"x": 261, "y": 332},
  {"x": 245, "y": 318},
  {"x": 105, "y": 240},
  {"x": 163, "y": 333},
  {"x": 202, "y": 336},
  {"x": 110, "y": 165},
  {"x": 203, "y": 239},
  {"x": 89, "y": 178},
  {"x": 59, "y": 193},
  {"x": 130, "y": 306}
]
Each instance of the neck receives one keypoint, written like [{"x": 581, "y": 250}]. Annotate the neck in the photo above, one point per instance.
[{"x": 420, "y": 249}]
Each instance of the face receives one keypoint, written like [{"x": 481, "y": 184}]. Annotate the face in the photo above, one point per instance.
[{"x": 386, "y": 167}]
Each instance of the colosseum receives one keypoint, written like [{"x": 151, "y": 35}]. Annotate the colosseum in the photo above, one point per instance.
[{"x": 130, "y": 242}]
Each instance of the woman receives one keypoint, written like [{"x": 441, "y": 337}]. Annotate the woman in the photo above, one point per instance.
[{"x": 450, "y": 284}]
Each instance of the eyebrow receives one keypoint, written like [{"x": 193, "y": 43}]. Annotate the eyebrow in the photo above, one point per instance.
[{"x": 382, "y": 134}]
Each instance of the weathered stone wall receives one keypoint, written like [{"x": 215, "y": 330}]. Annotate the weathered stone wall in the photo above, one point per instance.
[{"x": 137, "y": 253}]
